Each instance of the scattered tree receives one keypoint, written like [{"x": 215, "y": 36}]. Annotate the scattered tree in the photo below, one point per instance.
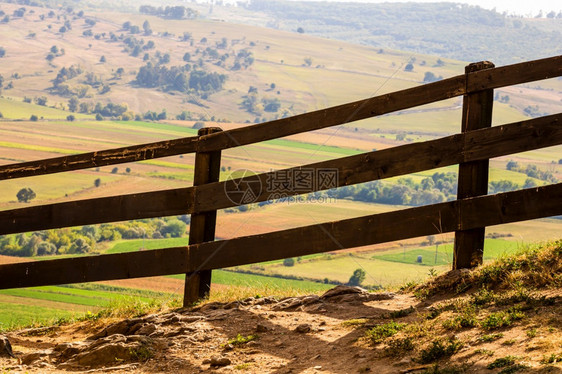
[
  {"x": 70, "y": 118},
  {"x": 102, "y": 59},
  {"x": 33, "y": 118},
  {"x": 97, "y": 182},
  {"x": 357, "y": 278},
  {"x": 25, "y": 195},
  {"x": 2, "y": 52},
  {"x": 300, "y": 30},
  {"x": 289, "y": 262},
  {"x": 409, "y": 67}
]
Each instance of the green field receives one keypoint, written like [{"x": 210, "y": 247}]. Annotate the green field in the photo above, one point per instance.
[
  {"x": 19, "y": 315},
  {"x": 141, "y": 244}
]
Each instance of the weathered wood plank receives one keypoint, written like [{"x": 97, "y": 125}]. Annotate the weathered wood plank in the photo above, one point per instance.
[
  {"x": 473, "y": 176},
  {"x": 375, "y": 106},
  {"x": 479, "y": 211},
  {"x": 100, "y": 210},
  {"x": 514, "y": 74},
  {"x": 472, "y": 146},
  {"x": 202, "y": 227},
  {"x": 475, "y": 145},
  {"x": 100, "y": 158},
  {"x": 94, "y": 268}
]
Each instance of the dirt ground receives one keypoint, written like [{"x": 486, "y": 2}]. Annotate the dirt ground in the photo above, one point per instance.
[{"x": 310, "y": 334}]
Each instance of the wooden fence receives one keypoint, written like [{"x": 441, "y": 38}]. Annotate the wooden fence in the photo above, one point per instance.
[{"x": 468, "y": 216}]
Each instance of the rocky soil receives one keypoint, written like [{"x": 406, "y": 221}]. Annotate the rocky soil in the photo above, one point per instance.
[{"x": 311, "y": 334}]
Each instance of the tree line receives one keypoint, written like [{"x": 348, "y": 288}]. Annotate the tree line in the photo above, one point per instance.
[{"x": 79, "y": 240}]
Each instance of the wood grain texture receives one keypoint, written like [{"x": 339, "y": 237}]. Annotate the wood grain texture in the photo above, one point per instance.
[
  {"x": 477, "y": 212},
  {"x": 509, "y": 75},
  {"x": 471, "y": 146},
  {"x": 100, "y": 158},
  {"x": 203, "y": 224}
]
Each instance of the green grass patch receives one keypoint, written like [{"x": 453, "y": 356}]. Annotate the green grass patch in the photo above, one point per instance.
[
  {"x": 14, "y": 109},
  {"x": 240, "y": 339},
  {"x": 146, "y": 244},
  {"x": 314, "y": 147},
  {"x": 380, "y": 333},
  {"x": 440, "y": 348},
  {"x": 18, "y": 315}
]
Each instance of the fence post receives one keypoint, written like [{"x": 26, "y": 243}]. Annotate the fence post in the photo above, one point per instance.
[
  {"x": 202, "y": 227},
  {"x": 473, "y": 176}
]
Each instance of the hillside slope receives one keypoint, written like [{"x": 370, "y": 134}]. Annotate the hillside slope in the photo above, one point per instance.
[{"x": 501, "y": 318}]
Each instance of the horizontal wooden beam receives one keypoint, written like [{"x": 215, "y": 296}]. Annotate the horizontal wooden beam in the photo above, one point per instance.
[
  {"x": 471, "y": 146},
  {"x": 100, "y": 158},
  {"x": 99, "y": 210},
  {"x": 451, "y": 216},
  {"x": 94, "y": 268},
  {"x": 509, "y": 75}
]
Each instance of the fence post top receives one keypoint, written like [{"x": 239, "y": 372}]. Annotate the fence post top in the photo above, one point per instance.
[
  {"x": 208, "y": 130},
  {"x": 481, "y": 65}
]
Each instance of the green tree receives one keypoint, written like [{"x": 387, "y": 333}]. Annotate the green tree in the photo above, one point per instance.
[
  {"x": 25, "y": 195},
  {"x": 289, "y": 262},
  {"x": 73, "y": 104},
  {"x": 174, "y": 228},
  {"x": 357, "y": 277}
]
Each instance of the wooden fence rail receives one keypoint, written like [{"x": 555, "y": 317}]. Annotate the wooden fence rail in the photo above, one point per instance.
[
  {"x": 455, "y": 149},
  {"x": 467, "y": 217},
  {"x": 434, "y": 219}
]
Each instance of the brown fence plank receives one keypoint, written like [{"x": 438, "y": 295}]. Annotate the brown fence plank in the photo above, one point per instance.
[
  {"x": 479, "y": 211},
  {"x": 515, "y": 74},
  {"x": 100, "y": 158},
  {"x": 408, "y": 223},
  {"x": 475, "y": 145},
  {"x": 375, "y": 106},
  {"x": 100, "y": 210},
  {"x": 94, "y": 268}
]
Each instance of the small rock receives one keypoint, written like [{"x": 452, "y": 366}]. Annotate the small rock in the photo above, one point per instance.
[
  {"x": 206, "y": 361},
  {"x": 303, "y": 328},
  {"x": 318, "y": 367},
  {"x": 228, "y": 347},
  {"x": 220, "y": 361},
  {"x": 261, "y": 328},
  {"x": 5, "y": 347},
  {"x": 252, "y": 343},
  {"x": 31, "y": 358}
]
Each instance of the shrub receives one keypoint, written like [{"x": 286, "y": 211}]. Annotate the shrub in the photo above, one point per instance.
[
  {"x": 289, "y": 262},
  {"x": 440, "y": 348},
  {"x": 379, "y": 333}
]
